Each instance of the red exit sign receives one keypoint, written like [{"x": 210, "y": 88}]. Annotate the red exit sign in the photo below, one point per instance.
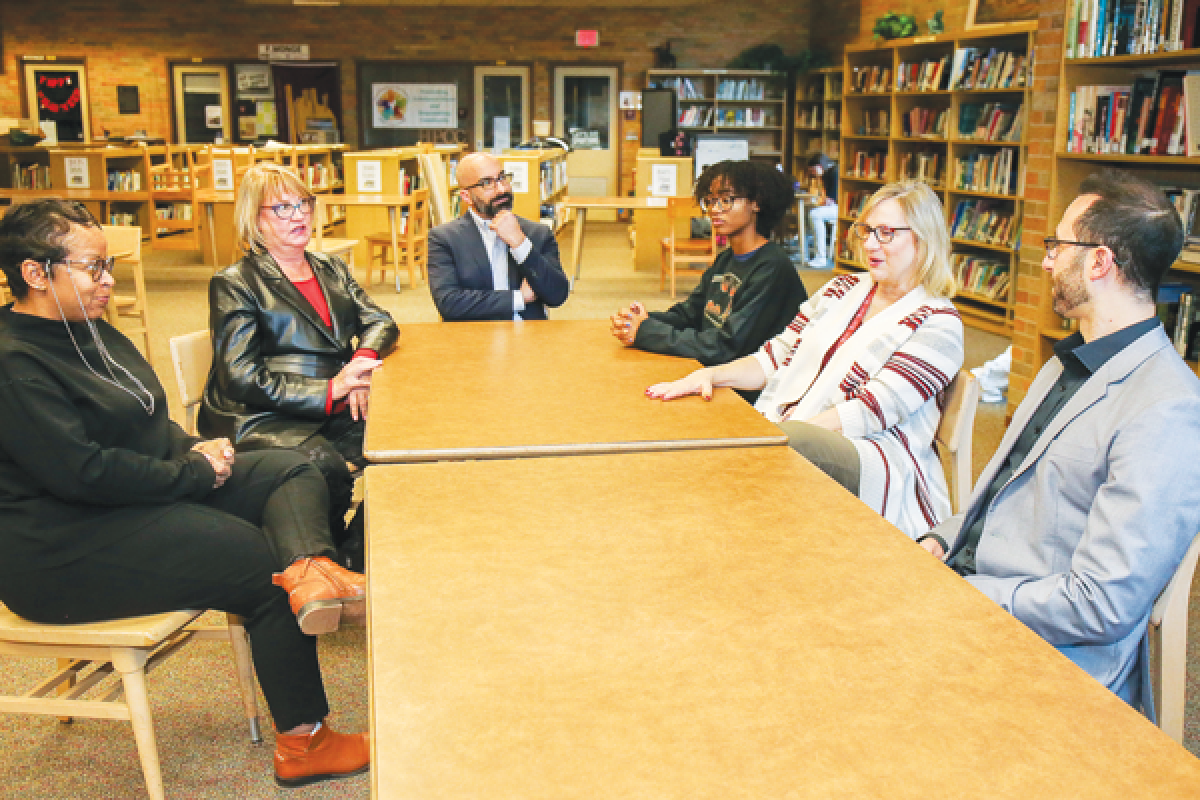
[{"x": 587, "y": 38}]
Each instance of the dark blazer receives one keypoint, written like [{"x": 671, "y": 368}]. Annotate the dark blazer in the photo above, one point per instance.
[
  {"x": 460, "y": 273},
  {"x": 273, "y": 356}
]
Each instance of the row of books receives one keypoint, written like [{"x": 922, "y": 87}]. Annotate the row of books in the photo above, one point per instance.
[
  {"x": 833, "y": 119},
  {"x": 31, "y": 176},
  {"x": 985, "y": 276},
  {"x": 551, "y": 214},
  {"x": 995, "y": 69},
  {"x": 924, "y": 166},
  {"x": 745, "y": 117},
  {"x": 991, "y": 122},
  {"x": 875, "y": 122},
  {"x": 871, "y": 79},
  {"x": 1099, "y": 28},
  {"x": 122, "y": 218},
  {"x": 552, "y": 177},
  {"x": 992, "y": 171},
  {"x": 1149, "y": 117},
  {"x": 124, "y": 181},
  {"x": 1176, "y": 306},
  {"x": 869, "y": 164},
  {"x": 181, "y": 211},
  {"x": 684, "y": 88},
  {"x": 808, "y": 116},
  {"x": 856, "y": 201},
  {"x": 1187, "y": 202},
  {"x": 752, "y": 89},
  {"x": 983, "y": 221},
  {"x": 321, "y": 176},
  {"x": 925, "y": 122},
  {"x": 695, "y": 116},
  {"x": 928, "y": 76}
]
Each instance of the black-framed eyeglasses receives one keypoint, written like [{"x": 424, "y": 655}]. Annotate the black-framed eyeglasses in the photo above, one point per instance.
[
  {"x": 488, "y": 182},
  {"x": 97, "y": 268},
  {"x": 719, "y": 203},
  {"x": 1052, "y": 243},
  {"x": 289, "y": 210},
  {"x": 884, "y": 233}
]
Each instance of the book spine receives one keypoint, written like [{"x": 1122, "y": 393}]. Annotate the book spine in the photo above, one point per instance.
[{"x": 1183, "y": 323}]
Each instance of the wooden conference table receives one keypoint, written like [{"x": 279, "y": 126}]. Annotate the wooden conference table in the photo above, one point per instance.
[
  {"x": 708, "y": 624},
  {"x": 513, "y": 389},
  {"x": 581, "y": 206}
]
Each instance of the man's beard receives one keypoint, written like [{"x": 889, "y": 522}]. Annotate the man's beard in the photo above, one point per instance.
[
  {"x": 1069, "y": 290},
  {"x": 501, "y": 202}
]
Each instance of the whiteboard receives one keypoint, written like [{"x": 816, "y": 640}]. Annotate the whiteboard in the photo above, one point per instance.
[{"x": 711, "y": 148}]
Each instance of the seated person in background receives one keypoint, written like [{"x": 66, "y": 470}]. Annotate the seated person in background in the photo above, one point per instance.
[
  {"x": 109, "y": 510},
  {"x": 854, "y": 380},
  {"x": 749, "y": 294},
  {"x": 823, "y": 182},
  {"x": 489, "y": 263},
  {"x": 286, "y": 369},
  {"x": 1093, "y": 496}
]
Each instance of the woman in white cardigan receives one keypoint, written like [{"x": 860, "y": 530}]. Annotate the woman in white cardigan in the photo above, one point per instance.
[{"x": 856, "y": 379}]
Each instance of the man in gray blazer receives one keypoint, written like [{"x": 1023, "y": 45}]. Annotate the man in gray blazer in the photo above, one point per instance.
[
  {"x": 1091, "y": 500},
  {"x": 489, "y": 263}
]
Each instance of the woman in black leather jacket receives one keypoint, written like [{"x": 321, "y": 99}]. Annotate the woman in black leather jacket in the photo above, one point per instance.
[{"x": 295, "y": 340}]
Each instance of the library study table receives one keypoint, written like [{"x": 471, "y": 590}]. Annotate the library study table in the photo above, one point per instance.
[
  {"x": 457, "y": 390},
  {"x": 581, "y": 206},
  {"x": 708, "y": 624}
]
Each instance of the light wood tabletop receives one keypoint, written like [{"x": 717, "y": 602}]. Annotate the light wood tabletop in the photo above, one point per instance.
[
  {"x": 581, "y": 206},
  {"x": 456, "y": 390},
  {"x": 708, "y": 624}
]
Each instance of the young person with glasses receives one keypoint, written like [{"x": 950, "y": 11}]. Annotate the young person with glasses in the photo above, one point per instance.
[
  {"x": 749, "y": 293},
  {"x": 489, "y": 263},
  {"x": 109, "y": 510},
  {"x": 295, "y": 340},
  {"x": 855, "y": 379}
]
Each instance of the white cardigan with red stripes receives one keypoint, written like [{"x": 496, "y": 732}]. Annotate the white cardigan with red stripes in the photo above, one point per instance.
[{"x": 886, "y": 382}]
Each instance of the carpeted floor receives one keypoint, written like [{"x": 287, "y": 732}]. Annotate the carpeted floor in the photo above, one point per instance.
[{"x": 202, "y": 739}]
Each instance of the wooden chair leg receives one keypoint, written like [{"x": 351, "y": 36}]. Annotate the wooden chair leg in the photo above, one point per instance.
[
  {"x": 672, "y": 276},
  {"x": 131, "y": 664},
  {"x": 662, "y": 268},
  {"x": 65, "y": 687},
  {"x": 240, "y": 643}
]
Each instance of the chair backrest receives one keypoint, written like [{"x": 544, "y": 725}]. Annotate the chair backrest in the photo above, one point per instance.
[
  {"x": 1170, "y": 617},
  {"x": 225, "y": 166},
  {"x": 419, "y": 206},
  {"x": 954, "y": 435},
  {"x": 125, "y": 241},
  {"x": 175, "y": 174},
  {"x": 192, "y": 355}
]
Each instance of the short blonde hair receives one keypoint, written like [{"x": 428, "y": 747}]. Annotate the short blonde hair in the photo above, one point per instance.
[
  {"x": 260, "y": 182},
  {"x": 925, "y": 215}
]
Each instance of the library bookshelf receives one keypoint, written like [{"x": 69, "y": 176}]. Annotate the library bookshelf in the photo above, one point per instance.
[
  {"x": 750, "y": 103},
  {"x": 1071, "y": 168},
  {"x": 903, "y": 119},
  {"x": 539, "y": 184},
  {"x": 816, "y": 120}
]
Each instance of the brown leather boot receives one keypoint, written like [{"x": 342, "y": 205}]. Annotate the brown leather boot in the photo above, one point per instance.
[
  {"x": 319, "y": 590},
  {"x": 323, "y": 755}
]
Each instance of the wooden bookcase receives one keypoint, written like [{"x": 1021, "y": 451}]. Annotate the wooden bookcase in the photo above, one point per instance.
[
  {"x": 713, "y": 96},
  {"x": 539, "y": 184},
  {"x": 817, "y": 117},
  {"x": 1071, "y": 168},
  {"x": 873, "y": 124},
  {"x": 25, "y": 168}
]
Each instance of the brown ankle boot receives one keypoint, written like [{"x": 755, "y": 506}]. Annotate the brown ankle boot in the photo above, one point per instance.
[
  {"x": 318, "y": 590},
  {"x": 323, "y": 755}
]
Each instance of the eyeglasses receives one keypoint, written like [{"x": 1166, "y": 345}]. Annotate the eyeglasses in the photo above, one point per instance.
[
  {"x": 1052, "y": 244},
  {"x": 719, "y": 203},
  {"x": 884, "y": 233},
  {"x": 96, "y": 268},
  {"x": 289, "y": 210},
  {"x": 489, "y": 182}
]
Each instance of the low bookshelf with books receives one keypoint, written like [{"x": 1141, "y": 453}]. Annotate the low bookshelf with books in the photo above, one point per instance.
[{"x": 949, "y": 110}]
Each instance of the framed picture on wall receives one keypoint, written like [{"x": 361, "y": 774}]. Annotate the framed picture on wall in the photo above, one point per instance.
[
  {"x": 992, "y": 14},
  {"x": 56, "y": 95}
]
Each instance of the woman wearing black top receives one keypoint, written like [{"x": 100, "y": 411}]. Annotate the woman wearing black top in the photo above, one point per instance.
[{"x": 108, "y": 509}]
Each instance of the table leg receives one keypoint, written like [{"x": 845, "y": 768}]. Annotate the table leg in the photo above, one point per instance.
[
  {"x": 212, "y": 233},
  {"x": 580, "y": 222},
  {"x": 395, "y": 244},
  {"x": 800, "y": 229}
]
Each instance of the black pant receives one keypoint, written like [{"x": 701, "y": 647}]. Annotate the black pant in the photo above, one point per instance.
[
  {"x": 337, "y": 444},
  {"x": 218, "y": 554}
]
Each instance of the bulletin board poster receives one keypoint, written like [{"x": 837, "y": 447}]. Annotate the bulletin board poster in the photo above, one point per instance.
[{"x": 414, "y": 105}]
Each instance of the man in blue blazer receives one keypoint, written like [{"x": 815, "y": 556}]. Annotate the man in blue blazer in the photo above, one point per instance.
[
  {"x": 1089, "y": 504},
  {"x": 489, "y": 263}
]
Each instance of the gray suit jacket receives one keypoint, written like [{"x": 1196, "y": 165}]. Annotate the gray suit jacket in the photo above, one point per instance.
[{"x": 1087, "y": 532}]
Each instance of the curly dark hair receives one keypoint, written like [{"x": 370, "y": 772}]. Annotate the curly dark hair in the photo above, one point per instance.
[
  {"x": 756, "y": 181},
  {"x": 35, "y": 231}
]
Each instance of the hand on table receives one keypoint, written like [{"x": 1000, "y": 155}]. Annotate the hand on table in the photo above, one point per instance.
[
  {"x": 699, "y": 382},
  {"x": 355, "y": 375},
  {"x": 625, "y": 324},
  {"x": 507, "y": 227},
  {"x": 220, "y": 455}
]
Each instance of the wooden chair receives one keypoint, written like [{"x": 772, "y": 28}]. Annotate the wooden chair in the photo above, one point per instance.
[
  {"x": 954, "y": 434},
  {"x": 1169, "y": 625},
  {"x": 412, "y": 239},
  {"x": 225, "y": 165},
  {"x": 174, "y": 183},
  {"x": 125, "y": 241},
  {"x": 683, "y": 255},
  {"x": 192, "y": 356},
  {"x": 320, "y": 243}
]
